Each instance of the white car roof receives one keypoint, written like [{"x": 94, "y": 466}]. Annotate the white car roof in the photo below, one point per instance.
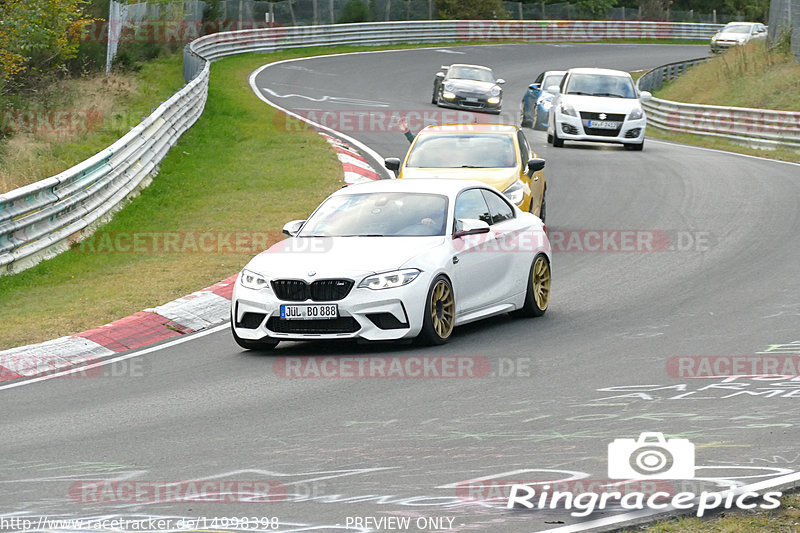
[
  {"x": 447, "y": 187},
  {"x": 598, "y": 71}
]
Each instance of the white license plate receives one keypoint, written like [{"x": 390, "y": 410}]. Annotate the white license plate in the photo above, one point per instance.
[
  {"x": 470, "y": 99},
  {"x": 309, "y": 312},
  {"x": 603, "y": 124}
]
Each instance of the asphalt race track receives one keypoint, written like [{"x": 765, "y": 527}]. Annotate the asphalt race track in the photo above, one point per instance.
[{"x": 667, "y": 253}]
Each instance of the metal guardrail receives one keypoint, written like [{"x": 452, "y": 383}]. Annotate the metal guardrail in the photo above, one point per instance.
[
  {"x": 762, "y": 128},
  {"x": 218, "y": 45},
  {"x": 43, "y": 219}
]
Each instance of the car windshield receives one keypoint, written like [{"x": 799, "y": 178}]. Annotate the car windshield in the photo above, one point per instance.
[
  {"x": 601, "y": 85},
  {"x": 470, "y": 73},
  {"x": 463, "y": 151},
  {"x": 378, "y": 214},
  {"x": 552, "y": 79},
  {"x": 739, "y": 28}
]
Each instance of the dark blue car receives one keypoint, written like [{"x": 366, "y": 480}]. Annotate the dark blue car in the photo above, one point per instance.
[{"x": 536, "y": 102}]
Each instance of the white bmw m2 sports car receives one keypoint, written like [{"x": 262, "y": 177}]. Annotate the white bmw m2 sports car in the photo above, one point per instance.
[{"x": 395, "y": 259}]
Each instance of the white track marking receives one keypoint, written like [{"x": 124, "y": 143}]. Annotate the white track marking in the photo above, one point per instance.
[{"x": 169, "y": 344}]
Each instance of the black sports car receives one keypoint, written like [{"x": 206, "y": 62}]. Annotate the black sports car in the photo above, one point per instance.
[{"x": 468, "y": 87}]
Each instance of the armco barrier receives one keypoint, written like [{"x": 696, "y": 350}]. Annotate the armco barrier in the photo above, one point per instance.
[
  {"x": 761, "y": 128},
  {"x": 42, "y": 219}
]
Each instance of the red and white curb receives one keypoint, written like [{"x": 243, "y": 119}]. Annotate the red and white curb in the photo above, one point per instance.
[
  {"x": 195, "y": 312},
  {"x": 356, "y": 168}
]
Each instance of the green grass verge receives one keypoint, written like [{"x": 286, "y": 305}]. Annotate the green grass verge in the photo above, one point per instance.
[
  {"x": 106, "y": 109},
  {"x": 784, "y": 519},
  {"x": 234, "y": 171},
  {"x": 745, "y": 76},
  {"x": 719, "y": 143}
]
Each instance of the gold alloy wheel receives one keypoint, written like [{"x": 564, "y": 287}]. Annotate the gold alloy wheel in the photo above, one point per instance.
[
  {"x": 541, "y": 282},
  {"x": 442, "y": 309}
]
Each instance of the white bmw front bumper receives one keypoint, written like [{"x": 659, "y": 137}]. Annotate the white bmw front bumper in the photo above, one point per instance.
[{"x": 384, "y": 314}]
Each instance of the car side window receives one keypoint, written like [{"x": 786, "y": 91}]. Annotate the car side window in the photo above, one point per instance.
[
  {"x": 524, "y": 149},
  {"x": 498, "y": 207},
  {"x": 539, "y": 78},
  {"x": 471, "y": 204}
]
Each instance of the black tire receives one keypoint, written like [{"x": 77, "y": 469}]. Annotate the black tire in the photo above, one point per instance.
[
  {"x": 262, "y": 345},
  {"x": 439, "y": 314},
  {"x": 537, "y": 294},
  {"x": 537, "y": 124},
  {"x": 523, "y": 122},
  {"x": 635, "y": 147},
  {"x": 549, "y": 139},
  {"x": 434, "y": 99},
  {"x": 557, "y": 142}
]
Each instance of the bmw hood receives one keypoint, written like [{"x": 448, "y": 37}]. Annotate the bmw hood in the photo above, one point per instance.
[
  {"x": 471, "y": 86},
  {"x": 499, "y": 178},
  {"x": 311, "y": 258},
  {"x": 602, "y": 104}
]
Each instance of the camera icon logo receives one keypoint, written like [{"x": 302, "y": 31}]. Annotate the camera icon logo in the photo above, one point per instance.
[{"x": 651, "y": 457}]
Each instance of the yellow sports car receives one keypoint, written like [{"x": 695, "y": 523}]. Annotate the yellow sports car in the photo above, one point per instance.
[{"x": 496, "y": 154}]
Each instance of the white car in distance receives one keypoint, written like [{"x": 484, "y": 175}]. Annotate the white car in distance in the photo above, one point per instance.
[{"x": 600, "y": 105}]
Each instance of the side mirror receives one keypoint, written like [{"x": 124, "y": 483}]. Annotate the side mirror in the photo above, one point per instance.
[
  {"x": 501, "y": 81},
  {"x": 392, "y": 163},
  {"x": 470, "y": 226},
  {"x": 646, "y": 95},
  {"x": 535, "y": 164},
  {"x": 535, "y": 86},
  {"x": 293, "y": 228},
  {"x": 440, "y": 75},
  {"x": 554, "y": 90}
]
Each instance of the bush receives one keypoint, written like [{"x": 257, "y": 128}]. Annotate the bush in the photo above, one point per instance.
[{"x": 354, "y": 11}]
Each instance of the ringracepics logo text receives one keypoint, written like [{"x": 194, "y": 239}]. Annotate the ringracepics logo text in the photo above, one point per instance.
[{"x": 650, "y": 457}]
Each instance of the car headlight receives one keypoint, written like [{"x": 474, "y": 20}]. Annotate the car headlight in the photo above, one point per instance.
[
  {"x": 495, "y": 91},
  {"x": 742, "y": 39},
  {"x": 389, "y": 280},
  {"x": 636, "y": 114},
  {"x": 493, "y": 100},
  {"x": 449, "y": 95},
  {"x": 449, "y": 87},
  {"x": 253, "y": 280},
  {"x": 515, "y": 192},
  {"x": 567, "y": 109}
]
